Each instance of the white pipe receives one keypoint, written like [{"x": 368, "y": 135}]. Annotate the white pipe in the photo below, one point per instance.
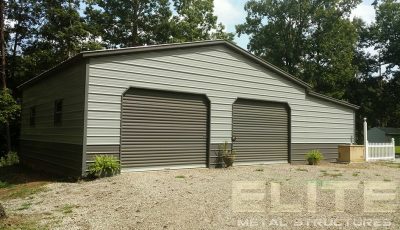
[{"x": 366, "y": 138}]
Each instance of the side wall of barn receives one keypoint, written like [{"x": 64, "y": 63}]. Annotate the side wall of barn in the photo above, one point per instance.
[
  {"x": 223, "y": 75},
  {"x": 52, "y": 123}
]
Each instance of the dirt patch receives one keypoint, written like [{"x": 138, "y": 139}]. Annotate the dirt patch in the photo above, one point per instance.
[
  {"x": 20, "y": 182},
  {"x": 202, "y": 199},
  {"x": 22, "y": 190},
  {"x": 24, "y": 222}
]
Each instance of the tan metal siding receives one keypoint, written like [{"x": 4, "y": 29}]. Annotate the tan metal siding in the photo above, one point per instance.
[
  {"x": 329, "y": 150},
  {"x": 163, "y": 129},
  {"x": 261, "y": 130},
  {"x": 93, "y": 150},
  {"x": 221, "y": 74}
]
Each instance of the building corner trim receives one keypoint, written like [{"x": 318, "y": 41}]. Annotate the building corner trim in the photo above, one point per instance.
[{"x": 85, "y": 116}]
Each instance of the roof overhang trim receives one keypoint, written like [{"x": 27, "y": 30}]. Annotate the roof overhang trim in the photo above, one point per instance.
[{"x": 103, "y": 53}]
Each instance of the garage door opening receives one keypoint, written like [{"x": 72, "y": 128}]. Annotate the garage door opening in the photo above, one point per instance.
[
  {"x": 262, "y": 131},
  {"x": 162, "y": 129}
]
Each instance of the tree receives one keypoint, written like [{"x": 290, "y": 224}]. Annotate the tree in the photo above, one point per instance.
[
  {"x": 392, "y": 95},
  {"x": 367, "y": 64},
  {"x": 330, "y": 66},
  {"x": 369, "y": 94},
  {"x": 64, "y": 28},
  {"x": 386, "y": 33},
  {"x": 9, "y": 109},
  {"x": 313, "y": 40},
  {"x": 9, "y": 115},
  {"x": 24, "y": 16},
  {"x": 374, "y": 91},
  {"x": 384, "y": 36},
  {"x": 6, "y": 99},
  {"x": 220, "y": 33},
  {"x": 2, "y": 45},
  {"x": 195, "y": 20},
  {"x": 123, "y": 23},
  {"x": 60, "y": 33},
  {"x": 277, "y": 31}
]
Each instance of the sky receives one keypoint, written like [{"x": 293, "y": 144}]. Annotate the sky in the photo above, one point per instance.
[{"x": 231, "y": 13}]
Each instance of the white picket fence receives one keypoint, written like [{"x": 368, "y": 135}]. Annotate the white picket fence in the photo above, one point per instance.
[{"x": 380, "y": 151}]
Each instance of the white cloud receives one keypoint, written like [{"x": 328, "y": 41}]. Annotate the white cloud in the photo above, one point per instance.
[
  {"x": 229, "y": 12},
  {"x": 364, "y": 11}
]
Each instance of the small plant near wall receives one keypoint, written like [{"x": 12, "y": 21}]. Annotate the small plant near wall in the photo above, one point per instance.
[
  {"x": 2, "y": 212},
  {"x": 314, "y": 157},
  {"x": 228, "y": 155},
  {"x": 104, "y": 166},
  {"x": 10, "y": 159}
]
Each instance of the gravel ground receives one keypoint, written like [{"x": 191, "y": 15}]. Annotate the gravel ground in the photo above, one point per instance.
[{"x": 202, "y": 199}]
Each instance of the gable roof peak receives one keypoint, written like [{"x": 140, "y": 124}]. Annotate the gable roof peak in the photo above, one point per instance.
[{"x": 185, "y": 45}]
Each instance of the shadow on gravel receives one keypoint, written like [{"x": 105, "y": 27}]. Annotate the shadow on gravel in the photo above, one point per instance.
[{"x": 18, "y": 182}]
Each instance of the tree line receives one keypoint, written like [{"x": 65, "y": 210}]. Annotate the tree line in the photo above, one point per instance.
[
  {"x": 314, "y": 40},
  {"x": 340, "y": 56}
]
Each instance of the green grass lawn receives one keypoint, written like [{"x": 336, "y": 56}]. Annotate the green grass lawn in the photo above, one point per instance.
[
  {"x": 20, "y": 182},
  {"x": 397, "y": 150}
]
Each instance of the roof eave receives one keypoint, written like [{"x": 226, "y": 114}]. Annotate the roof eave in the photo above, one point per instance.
[
  {"x": 129, "y": 50},
  {"x": 331, "y": 99},
  {"x": 102, "y": 53},
  {"x": 56, "y": 68}
]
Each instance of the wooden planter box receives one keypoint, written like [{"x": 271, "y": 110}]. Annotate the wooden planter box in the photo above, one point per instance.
[{"x": 351, "y": 153}]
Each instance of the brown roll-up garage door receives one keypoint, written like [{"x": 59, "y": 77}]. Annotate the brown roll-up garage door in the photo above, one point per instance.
[
  {"x": 261, "y": 130},
  {"x": 163, "y": 129}
]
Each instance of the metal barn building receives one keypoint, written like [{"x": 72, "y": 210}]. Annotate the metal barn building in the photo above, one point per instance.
[{"x": 169, "y": 106}]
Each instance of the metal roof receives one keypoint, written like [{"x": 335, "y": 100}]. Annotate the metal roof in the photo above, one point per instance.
[
  {"x": 390, "y": 130},
  {"x": 110, "y": 52}
]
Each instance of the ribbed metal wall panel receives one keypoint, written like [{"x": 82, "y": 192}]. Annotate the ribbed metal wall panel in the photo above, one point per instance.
[
  {"x": 48, "y": 147},
  {"x": 68, "y": 85},
  {"x": 261, "y": 130},
  {"x": 223, "y": 76},
  {"x": 163, "y": 129},
  {"x": 329, "y": 150}
]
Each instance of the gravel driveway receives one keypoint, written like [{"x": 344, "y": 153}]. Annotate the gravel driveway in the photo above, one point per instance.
[{"x": 202, "y": 199}]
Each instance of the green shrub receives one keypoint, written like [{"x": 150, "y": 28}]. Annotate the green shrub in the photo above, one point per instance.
[
  {"x": 4, "y": 184},
  {"x": 228, "y": 155},
  {"x": 314, "y": 157},
  {"x": 10, "y": 159},
  {"x": 104, "y": 166}
]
